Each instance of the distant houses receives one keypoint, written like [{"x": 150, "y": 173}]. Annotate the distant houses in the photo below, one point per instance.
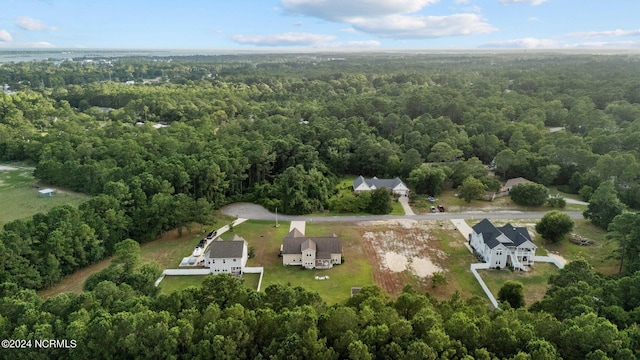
[
  {"x": 504, "y": 246},
  {"x": 311, "y": 252},
  {"x": 396, "y": 186}
]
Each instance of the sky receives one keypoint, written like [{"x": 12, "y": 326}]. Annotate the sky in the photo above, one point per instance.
[{"x": 320, "y": 24}]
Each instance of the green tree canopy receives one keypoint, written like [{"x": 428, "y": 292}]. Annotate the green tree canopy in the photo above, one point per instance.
[
  {"x": 529, "y": 194},
  {"x": 471, "y": 189},
  {"x": 554, "y": 225},
  {"x": 604, "y": 205}
]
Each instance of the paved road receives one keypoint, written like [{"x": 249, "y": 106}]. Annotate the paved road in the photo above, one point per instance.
[{"x": 257, "y": 212}]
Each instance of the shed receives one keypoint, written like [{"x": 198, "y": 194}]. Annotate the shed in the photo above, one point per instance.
[{"x": 47, "y": 192}]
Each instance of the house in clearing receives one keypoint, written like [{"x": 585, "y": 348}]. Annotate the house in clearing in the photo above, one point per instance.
[
  {"x": 504, "y": 246},
  {"x": 396, "y": 186},
  {"x": 311, "y": 252},
  {"x": 227, "y": 257}
]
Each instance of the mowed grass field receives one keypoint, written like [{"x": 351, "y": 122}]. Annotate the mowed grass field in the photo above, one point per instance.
[{"x": 19, "y": 197}]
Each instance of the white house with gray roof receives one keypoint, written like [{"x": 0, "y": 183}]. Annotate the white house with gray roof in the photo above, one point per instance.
[
  {"x": 227, "y": 257},
  {"x": 396, "y": 186},
  {"x": 311, "y": 252},
  {"x": 503, "y": 246}
]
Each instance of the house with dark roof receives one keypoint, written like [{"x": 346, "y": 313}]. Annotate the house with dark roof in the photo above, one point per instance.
[
  {"x": 396, "y": 186},
  {"x": 311, "y": 252},
  {"x": 503, "y": 246},
  {"x": 227, "y": 257}
]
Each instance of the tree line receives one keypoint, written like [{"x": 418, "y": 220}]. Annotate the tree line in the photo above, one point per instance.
[{"x": 582, "y": 316}]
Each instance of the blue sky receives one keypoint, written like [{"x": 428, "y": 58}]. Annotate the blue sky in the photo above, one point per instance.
[{"x": 319, "y": 24}]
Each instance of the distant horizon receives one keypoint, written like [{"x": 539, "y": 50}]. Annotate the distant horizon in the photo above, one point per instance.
[{"x": 320, "y": 25}]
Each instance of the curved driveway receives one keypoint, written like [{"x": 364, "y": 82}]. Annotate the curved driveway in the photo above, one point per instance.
[{"x": 257, "y": 212}]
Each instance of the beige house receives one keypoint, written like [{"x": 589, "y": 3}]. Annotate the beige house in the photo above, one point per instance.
[
  {"x": 311, "y": 252},
  {"x": 513, "y": 182}
]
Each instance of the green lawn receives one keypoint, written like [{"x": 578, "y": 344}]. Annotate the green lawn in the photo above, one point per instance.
[
  {"x": 457, "y": 265},
  {"x": 173, "y": 283},
  {"x": 534, "y": 281},
  {"x": 266, "y": 239},
  {"x": 20, "y": 198}
]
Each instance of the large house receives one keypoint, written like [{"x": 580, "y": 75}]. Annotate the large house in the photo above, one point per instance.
[
  {"x": 503, "y": 246},
  {"x": 396, "y": 186},
  {"x": 311, "y": 252},
  {"x": 228, "y": 257}
]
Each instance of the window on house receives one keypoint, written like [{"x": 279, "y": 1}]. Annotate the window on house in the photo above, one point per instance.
[{"x": 234, "y": 260}]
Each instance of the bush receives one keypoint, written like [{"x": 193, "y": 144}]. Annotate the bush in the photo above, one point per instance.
[
  {"x": 529, "y": 194},
  {"x": 556, "y": 202}
]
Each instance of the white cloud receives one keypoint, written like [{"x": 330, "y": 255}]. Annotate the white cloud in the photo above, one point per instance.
[
  {"x": 349, "y": 30},
  {"x": 391, "y": 19},
  {"x": 606, "y": 45},
  {"x": 532, "y": 2},
  {"x": 299, "y": 23},
  {"x": 610, "y": 33},
  {"x": 341, "y": 10},
  {"x": 31, "y": 45},
  {"x": 533, "y": 18},
  {"x": 462, "y": 1},
  {"x": 362, "y": 44},
  {"x": 414, "y": 27},
  {"x": 286, "y": 39},
  {"x": 525, "y": 43},
  {"x": 28, "y": 23},
  {"x": 5, "y": 36}
]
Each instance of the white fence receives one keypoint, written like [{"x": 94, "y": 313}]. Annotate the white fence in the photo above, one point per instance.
[
  {"x": 549, "y": 259},
  {"x": 474, "y": 271},
  {"x": 255, "y": 270},
  {"x": 187, "y": 271}
]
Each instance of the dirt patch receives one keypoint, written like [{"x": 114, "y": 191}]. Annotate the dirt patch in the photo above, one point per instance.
[
  {"x": 400, "y": 250},
  {"x": 8, "y": 168}
]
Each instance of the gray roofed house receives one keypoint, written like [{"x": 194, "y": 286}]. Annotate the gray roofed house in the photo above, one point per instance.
[
  {"x": 502, "y": 246},
  {"x": 396, "y": 186},
  {"x": 229, "y": 257},
  {"x": 311, "y": 252},
  {"x": 513, "y": 182}
]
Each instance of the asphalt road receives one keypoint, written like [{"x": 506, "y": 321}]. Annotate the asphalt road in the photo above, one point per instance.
[{"x": 257, "y": 212}]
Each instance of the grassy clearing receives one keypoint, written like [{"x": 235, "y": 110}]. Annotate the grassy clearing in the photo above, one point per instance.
[
  {"x": 534, "y": 281},
  {"x": 20, "y": 198},
  {"x": 266, "y": 241},
  {"x": 179, "y": 282},
  {"x": 599, "y": 255},
  {"x": 174, "y": 283},
  {"x": 452, "y": 203},
  {"x": 457, "y": 265}
]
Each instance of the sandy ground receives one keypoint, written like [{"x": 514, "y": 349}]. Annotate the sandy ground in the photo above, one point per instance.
[{"x": 399, "y": 247}]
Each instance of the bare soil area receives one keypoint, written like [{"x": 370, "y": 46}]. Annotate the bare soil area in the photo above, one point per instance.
[{"x": 400, "y": 250}]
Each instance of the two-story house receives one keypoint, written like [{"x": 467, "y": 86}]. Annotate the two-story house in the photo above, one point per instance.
[
  {"x": 227, "y": 257},
  {"x": 311, "y": 252},
  {"x": 504, "y": 246}
]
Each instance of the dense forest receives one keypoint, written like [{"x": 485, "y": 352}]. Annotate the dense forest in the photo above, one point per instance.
[{"x": 281, "y": 130}]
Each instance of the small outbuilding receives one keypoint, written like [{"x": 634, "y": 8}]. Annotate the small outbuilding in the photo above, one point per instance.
[{"x": 46, "y": 192}]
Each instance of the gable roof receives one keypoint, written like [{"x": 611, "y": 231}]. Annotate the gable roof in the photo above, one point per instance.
[
  {"x": 294, "y": 233},
  {"x": 323, "y": 245},
  {"x": 507, "y": 235},
  {"x": 516, "y": 181},
  {"x": 378, "y": 183},
  {"x": 226, "y": 249}
]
